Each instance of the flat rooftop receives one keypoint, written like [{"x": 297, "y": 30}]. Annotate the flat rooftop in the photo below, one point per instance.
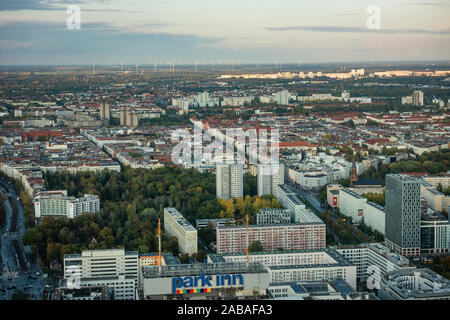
[
  {"x": 352, "y": 193},
  {"x": 272, "y": 225},
  {"x": 178, "y": 217},
  {"x": 199, "y": 268}
]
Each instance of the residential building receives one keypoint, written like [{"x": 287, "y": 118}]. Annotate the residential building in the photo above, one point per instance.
[
  {"x": 105, "y": 111},
  {"x": 176, "y": 225},
  {"x": 282, "y": 97},
  {"x": 269, "y": 177},
  {"x": 289, "y": 200},
  {"x": 295, "y": 236},
  {"x": 57, "y": 204},
  {"x": 417, "y": 98},
  {"x": 229, "y": 181},
  {"x": 436, "y": 200},
  {"x": 273, "y": 216}
]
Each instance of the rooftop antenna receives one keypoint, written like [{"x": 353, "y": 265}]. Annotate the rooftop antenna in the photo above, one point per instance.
[
  {"x": 246, "y": 236},
  {"x": 159, "y": 244}
]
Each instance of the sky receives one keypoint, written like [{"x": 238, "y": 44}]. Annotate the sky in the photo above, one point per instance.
[{"x": 222, "y": 31}]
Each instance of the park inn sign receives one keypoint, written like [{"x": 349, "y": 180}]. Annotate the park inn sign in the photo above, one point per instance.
[{"x": 204, "y": 283}]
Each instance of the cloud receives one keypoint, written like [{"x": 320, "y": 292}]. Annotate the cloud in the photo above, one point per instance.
[
  {"x": 347, "y": 14},
  {"x": 13, "y": 44},
  {"x": 52, "y": 42},
  {"x": 350, "y": 29},
  {"x": 422, "y": 4},
  {"x": 13, "y": 5},
  {"x": 17, "y": 5}
]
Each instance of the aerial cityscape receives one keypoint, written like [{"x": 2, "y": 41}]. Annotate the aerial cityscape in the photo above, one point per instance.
[{"x": 185, "y": 163}]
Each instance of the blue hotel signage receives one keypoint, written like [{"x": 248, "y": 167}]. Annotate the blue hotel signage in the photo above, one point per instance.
[{"x": 203, "y": 283}]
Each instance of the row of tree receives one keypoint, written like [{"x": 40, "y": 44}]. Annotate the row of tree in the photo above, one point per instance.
[
  {"x": 132, "y": 201},
  {"x": 376, "y": 197},
  {"x": 429, "y": 162},
  {"x": 241, "y": 207}
]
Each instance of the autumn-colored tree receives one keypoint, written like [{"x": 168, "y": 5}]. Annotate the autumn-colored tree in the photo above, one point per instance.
[{"x": 106, "y": 236}]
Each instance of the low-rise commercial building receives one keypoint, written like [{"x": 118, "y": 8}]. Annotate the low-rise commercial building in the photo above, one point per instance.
[
  {"x": 373, "y": 257},
  {"x": 418, "y": 284},
  {"x": 434, "y": 233},
  {"x": 115, "y": 268},
  {"x": 196, "y": 281},
  {"x": 297, "y": 265},
  {"x": 337, "y": 268},
  {"x": 329, "y": 289},
  {"x": 374, "y": 216},
  {"x": 352, "y": 204},
  {"x": 333, "y": 195},
  {"x": 201, "y": 224},
  {"x": 82, "y": 294},
  {"x": 355, "y": 206}
]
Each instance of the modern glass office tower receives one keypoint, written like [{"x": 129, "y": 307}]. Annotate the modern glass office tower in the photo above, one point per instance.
[{"x": 403, "y": 214}]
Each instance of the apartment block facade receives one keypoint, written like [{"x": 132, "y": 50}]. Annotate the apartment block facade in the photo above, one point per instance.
[{"x": 295, "y": 236}]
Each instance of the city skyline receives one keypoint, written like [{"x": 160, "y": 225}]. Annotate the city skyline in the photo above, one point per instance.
[
  {"x": 113, "y": 32},
  {"x": 223, "y": 152}
]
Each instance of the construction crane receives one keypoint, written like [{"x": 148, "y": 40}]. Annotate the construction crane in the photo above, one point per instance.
[
  {"x": 159, "y": 244},
  {"x": 246, "y": 236}
]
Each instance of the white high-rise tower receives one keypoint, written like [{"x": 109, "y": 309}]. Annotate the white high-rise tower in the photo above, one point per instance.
[{"x": 229, "y": 181}]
